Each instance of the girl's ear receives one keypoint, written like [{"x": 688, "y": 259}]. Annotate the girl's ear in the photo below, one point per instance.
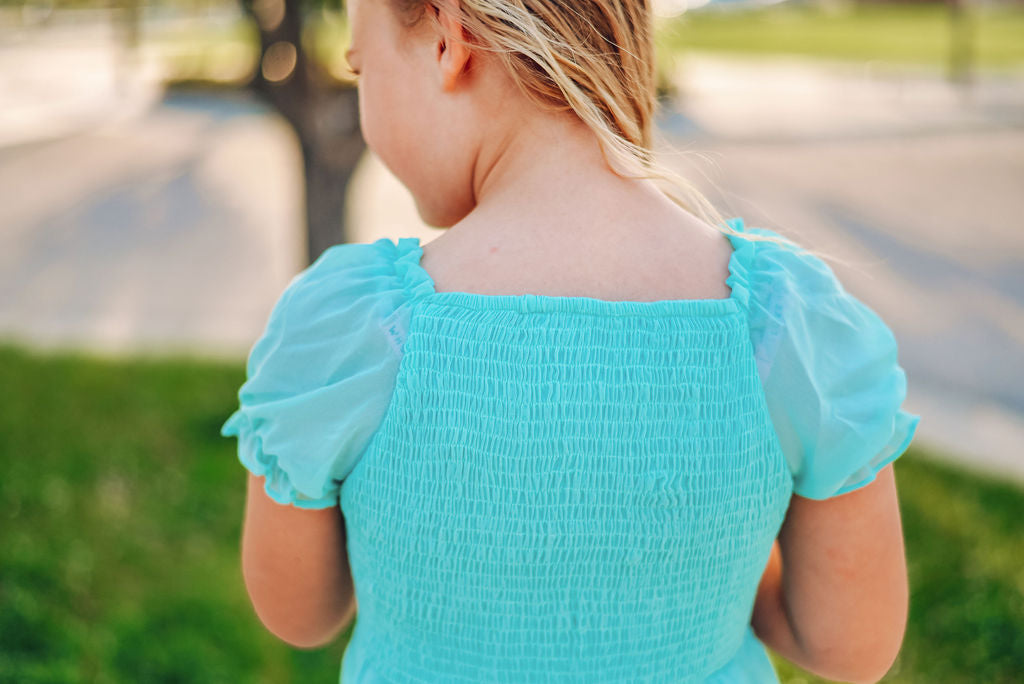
[{"x": 452, "y": 52}]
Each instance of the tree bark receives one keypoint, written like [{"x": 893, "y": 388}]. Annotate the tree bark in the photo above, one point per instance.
[
  {"x": 329, "y": 161},
  {"x": 324, "y": 114},
  {"x": 961, "y": 42}
]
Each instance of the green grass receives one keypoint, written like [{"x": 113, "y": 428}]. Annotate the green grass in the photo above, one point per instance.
[
  {"x": 120, "y": 525},
  {"x": 228, "y": 54},
  {"x": 966, "y": 569},
  {"x": 204, "y": 52},
  {"x": 886, "y": 33},
  {"x": 121, "y": 516}
]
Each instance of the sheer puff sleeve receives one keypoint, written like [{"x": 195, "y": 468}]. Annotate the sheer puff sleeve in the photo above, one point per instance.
[
  {"x": 321, "y": 375},
  {"x": 829, "y": 368}
]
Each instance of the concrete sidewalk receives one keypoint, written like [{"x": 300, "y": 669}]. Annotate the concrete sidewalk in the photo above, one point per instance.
[
  {"x": 62, "y": 80},
  {"x": 774, "y": 99}
]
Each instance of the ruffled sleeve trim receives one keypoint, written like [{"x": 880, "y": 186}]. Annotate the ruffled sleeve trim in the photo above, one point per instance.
[
  {"x": 756, "y": 286},
  {"x": 904, "y": 427},
  {"x": 740, "y": 263},
  {"x": 320, "y": 377},
  {"x": 416, "y": 282},
  {"x": 256, "y": 460}
]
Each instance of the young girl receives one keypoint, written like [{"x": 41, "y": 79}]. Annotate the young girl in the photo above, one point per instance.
[{"x": 587, "y": 434}]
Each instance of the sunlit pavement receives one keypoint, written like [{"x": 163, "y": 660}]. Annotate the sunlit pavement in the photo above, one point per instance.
[
  {"x": 175, "y": 228},
  {"x": 780, "y": 99},
  {"x": 64, "y": 79}
]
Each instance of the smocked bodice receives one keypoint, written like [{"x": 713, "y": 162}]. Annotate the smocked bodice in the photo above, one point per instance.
[{"x": 564, "y": 488}]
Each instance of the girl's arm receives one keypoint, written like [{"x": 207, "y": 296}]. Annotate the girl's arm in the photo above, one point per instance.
[
  {"x": 295, "y": 566},
  {"x": 833, "y": 598}
]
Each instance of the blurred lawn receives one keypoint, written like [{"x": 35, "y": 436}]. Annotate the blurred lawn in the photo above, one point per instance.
[
  {"x": 890, "y": 32},
  {"x": 121, "y": 517},
  {"x": 227, "y": 53}
]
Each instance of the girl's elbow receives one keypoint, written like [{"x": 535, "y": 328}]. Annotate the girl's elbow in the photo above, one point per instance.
[
  {"x": 307, "y": 634},
  {"x": 866, "y": 675},
  {"x": 306, "y": 641},
  {"x": 296, "y": 619},
  {"x": 300, "y": 640},
  {"x": 864, "y": 666},
  {"x": 864, "y": 650},
  {"x": 871, "y": 674}
]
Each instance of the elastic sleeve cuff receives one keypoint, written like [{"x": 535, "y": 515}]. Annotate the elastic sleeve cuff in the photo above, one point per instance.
[
  {"x": 903, "y": 434},
  {"x": 277, "y": 484}
]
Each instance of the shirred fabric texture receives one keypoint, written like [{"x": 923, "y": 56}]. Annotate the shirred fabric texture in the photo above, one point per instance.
[{"x": 564, "y": 488}]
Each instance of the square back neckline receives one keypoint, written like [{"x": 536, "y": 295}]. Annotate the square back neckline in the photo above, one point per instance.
[{"x": 528, "y": 302}]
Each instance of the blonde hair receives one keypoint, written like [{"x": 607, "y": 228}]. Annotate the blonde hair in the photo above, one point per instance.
[{"x": 594, "y": 57}]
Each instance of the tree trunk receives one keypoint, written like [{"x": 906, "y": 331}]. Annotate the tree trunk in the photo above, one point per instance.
[
  {"x": 329, "y": 159},
  {"x": 325, "y": 116},
  {"x": 961, "y": 42}
]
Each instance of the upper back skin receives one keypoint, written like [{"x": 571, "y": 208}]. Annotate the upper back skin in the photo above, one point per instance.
[{"x": 646, "y": 254}]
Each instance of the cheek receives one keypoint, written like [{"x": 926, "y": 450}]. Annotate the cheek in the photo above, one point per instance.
[
  {"x": 393, "y": 123},
  {"x": 383, "y": 121},
  {"x": 407, "y": 134}
]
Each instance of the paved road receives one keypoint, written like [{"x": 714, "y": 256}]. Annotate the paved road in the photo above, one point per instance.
[{"x": 176, "y": 230}]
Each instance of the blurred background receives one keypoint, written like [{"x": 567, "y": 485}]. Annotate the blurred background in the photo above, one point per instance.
[{"x": 167, "y": 167}]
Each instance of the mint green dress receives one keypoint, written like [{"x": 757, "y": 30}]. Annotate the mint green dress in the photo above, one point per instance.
[{"x": 564, "y": 489}]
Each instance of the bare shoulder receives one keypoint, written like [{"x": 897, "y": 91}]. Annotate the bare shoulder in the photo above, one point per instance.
[
  {"x": 702, "y": 255},
  {"x": 643, "y": 261}
]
